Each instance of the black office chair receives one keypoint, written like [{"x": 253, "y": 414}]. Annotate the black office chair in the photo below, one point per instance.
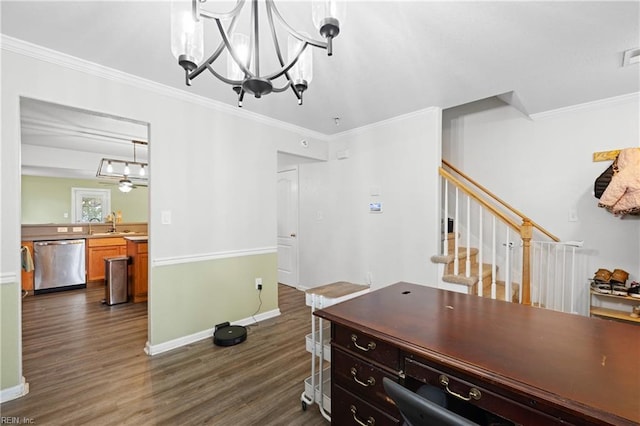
[{"x": 417, "y": 410}]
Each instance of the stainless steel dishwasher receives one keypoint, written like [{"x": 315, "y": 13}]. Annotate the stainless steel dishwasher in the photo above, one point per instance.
[{"x": 59, "y": 265}]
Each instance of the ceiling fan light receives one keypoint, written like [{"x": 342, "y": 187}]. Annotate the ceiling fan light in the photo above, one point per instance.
[{"x": 125, "y": 185}]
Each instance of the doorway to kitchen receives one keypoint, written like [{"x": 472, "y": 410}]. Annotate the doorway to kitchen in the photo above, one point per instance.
[{"x": 66, "y": 195}]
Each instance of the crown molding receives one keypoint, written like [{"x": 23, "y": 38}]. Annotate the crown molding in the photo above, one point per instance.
[
  {"x": 629, "y": 97},
  {"x": 382, "y": 123},
  {"x": 54, "y": 57}
]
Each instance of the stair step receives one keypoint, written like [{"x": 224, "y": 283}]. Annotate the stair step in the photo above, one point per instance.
[
  {"x": 448, "y": 258},
  {"x": 462, "y": 268},
  {"x": 500, "y": 291},
  {"x": 461, "y": 277}
]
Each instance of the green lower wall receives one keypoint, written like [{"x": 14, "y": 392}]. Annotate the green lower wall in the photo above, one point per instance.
[
  {"x": 188, "y": 298},
  {"x": 10, "y": 374}
]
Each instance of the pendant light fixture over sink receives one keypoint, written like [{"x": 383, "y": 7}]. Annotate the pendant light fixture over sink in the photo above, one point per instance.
[
  {"x": 128, "y": 174},
  {"x": 243, "y": 61}
]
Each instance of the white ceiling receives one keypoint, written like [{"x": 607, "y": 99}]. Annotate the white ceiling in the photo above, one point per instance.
[{"x": 391, "y": 57}]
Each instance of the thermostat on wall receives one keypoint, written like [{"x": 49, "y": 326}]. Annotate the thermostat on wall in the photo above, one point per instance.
[{"x": 375, "y": 207}]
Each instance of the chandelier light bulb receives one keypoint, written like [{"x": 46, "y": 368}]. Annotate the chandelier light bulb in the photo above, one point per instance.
[
  {"x": 240, "y": 45},
  {"x": 328, "y": 16},
  {"x": 126, "y": 169},
  {"x": 109, "y": 167},
  {"x": 142, "y": 171},
  {"x": 187, "y": 42}
]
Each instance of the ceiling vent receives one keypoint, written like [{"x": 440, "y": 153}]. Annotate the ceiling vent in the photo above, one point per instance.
[{"x": 631, "y": 56}]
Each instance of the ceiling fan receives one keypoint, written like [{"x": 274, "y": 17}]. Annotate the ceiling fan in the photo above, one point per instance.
[{"x": 128, "y": 174}]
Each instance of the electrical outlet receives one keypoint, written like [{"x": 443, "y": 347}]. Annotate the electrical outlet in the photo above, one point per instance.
[{"x": 258, "y": 283}]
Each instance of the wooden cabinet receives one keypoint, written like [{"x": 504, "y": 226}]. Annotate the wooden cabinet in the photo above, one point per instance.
[
  {"x": 97, "y": 250},
  {"x": 27, "y": 277},
  {"x": 137, "y": 250},
  {"x": 614, "y": 307}
]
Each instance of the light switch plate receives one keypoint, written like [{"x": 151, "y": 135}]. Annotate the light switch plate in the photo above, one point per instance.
[{"x": 165, "y": 217}]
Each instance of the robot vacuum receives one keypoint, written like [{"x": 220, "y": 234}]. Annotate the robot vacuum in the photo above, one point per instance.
[{"x": 229, "y": 335}]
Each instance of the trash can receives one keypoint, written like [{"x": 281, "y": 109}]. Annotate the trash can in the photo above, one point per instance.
[{"x": 116, "y": 279}]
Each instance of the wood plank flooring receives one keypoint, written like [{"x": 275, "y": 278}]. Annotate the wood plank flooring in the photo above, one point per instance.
[{"x": 85, "y": 364}]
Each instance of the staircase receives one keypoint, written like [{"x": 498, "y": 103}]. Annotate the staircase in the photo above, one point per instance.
[
  {"x": 468, "y": 260},
  {"x": 493, "y": 250}
]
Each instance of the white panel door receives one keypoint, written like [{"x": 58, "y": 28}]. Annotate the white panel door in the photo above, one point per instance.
[{"x": 288, "y": 227}]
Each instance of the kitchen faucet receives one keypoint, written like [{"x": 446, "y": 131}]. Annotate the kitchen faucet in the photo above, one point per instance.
[{"x": 113, "y": 222}]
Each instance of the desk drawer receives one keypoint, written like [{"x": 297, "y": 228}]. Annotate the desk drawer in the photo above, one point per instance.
[
  {"x": 362, "y": 379},
  {"x": 368, "y": 347},
  {"x": 347, "y": 410},
  {"x": 476, "y": 395}
]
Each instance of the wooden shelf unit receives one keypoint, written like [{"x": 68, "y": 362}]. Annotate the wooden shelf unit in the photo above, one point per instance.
[{"x": 612, "y": 313}]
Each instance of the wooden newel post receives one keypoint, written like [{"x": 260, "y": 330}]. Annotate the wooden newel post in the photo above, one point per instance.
[{"x": 526, "y": 231}]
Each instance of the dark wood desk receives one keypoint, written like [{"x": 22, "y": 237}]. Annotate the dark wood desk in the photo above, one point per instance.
[{"x": 529, "y": 365}]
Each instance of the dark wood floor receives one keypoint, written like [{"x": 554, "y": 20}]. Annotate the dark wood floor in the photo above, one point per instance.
[{"x": 85, "y": 364}]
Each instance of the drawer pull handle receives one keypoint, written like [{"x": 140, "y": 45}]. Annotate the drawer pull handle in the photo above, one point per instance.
[
  {"x": 370, "y": 381},
  {"x": 370, "y": 346},
  {"x": 370, "y": 421},
  {"x": 473, "y": 392}
]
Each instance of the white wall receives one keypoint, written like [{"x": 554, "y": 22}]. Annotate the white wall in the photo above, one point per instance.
[
  {"x": 214, "y": 170},
  {"x": 543, "y": 167},
  {"x": 340, "y": 240}
]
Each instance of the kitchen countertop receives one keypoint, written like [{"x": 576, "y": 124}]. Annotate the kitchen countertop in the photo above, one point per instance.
[
  {"x": 69, "y": 236},
  {"x": 137, "y": 238}
]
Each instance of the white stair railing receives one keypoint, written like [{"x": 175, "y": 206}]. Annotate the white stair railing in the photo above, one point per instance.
[
  {"x": 557, "y": 280},
  {"x": 519, "y": 269}
]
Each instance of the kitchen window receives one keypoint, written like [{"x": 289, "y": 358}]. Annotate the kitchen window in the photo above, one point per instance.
[{"x": 90, "y": 204}]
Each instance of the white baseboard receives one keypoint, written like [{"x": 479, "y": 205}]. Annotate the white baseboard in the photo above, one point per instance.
[
  {"x": 204, "y": 334},
  {"x": 14, "y": 392}
]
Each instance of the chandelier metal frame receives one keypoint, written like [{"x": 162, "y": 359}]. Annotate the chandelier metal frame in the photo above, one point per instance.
[{"x": 254, "y": 82}]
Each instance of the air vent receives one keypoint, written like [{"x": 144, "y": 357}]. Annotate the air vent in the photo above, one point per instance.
[{"x": 631, "y": 56}]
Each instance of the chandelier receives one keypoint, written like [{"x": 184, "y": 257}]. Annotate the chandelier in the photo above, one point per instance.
[
  {"x": 243, "y": 71},
  {"x": 127, "y": 173}
]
